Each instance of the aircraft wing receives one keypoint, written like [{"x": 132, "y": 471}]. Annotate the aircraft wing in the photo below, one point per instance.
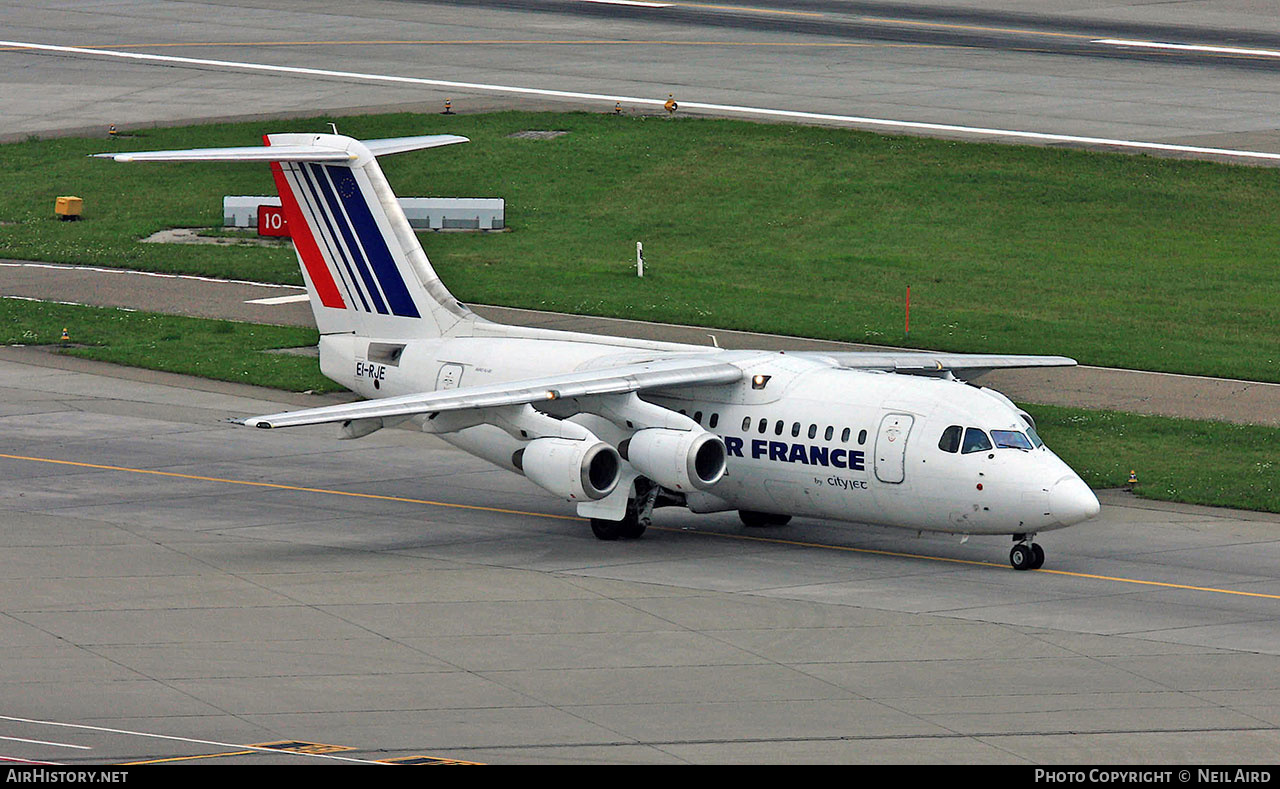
[
  {"x": 962, "y": 365},
  {"x": 658, "y": 374}
]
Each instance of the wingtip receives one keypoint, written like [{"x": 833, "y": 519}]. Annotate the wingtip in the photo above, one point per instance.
[{"x": 249, "y": 422}]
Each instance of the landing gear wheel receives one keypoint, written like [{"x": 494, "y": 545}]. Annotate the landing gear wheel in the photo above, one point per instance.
[
  {"x": 632, "y": 529},
  {"x": 757, "y": 519},
  {"x": 607, "y": 530},
  {"x": 1022, "y": 557},
  {"x": 1037, "y": 560},
  {"x": 629, "y": 528}
]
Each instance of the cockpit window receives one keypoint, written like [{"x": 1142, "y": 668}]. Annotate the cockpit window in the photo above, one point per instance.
[
  {"x": 1010, "y": 439},
  {"x": 1036, "y": 441},
  {"x": 950, "y": 441},
  {"x": 975, "y": 441}
]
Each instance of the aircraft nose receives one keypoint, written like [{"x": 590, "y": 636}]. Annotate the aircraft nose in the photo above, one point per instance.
[{"x": 1071, "y": 501}]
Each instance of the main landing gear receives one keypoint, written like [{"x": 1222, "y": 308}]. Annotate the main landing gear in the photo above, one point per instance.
[
  {"x": 758, "y": 519},
  {"x": 639, "y": 515},
  {"x": 628, "y": 528},
  {"x": 1026, "y": 555}
]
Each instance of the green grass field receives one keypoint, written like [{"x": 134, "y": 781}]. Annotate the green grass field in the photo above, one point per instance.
[
  {"x": 1186, "y": 460},
  {"x": 1118, "y": 260},
  {"x": 223, "y": 350}
]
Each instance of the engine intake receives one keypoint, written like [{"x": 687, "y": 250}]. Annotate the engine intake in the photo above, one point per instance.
[
  {"x": 574, "y": 470},
  {"x": 677, "y": 459}
]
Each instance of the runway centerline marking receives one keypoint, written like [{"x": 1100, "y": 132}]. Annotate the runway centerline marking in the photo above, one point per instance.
[
  {"x": 855, "y": 120},
  {"x": 638, "y": 3},
  {"x": 673, "y": 530},
  {"x": 274, "y": 300},
  {"x": 46, "y": 742},
  {"x": 511, "y": 42},
  {"x": 1213, "y": 50},
  {"x": 173, "y": 738}
]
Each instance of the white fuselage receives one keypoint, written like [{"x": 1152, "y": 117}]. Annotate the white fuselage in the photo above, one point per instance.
[{"x": 814, "y": 440}]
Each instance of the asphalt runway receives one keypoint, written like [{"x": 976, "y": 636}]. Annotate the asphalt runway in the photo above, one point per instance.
[
  {"x": 177, "y": 588},
  {"x": 1026, "y": 66}
]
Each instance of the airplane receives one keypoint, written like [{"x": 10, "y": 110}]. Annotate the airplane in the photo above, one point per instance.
[{"x": 622, "y": 426}]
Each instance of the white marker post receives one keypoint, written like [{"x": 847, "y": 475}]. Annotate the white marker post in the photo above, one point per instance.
[{"x": 639, "y": 259}]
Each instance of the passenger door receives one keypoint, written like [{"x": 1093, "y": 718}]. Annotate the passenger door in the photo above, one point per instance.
[{"x": 891, "y": 447}]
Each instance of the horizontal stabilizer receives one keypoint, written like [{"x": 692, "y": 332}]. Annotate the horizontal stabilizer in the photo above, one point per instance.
[
  {"x": 390, "y": 145},
  {"x": 289, "y": 153}
]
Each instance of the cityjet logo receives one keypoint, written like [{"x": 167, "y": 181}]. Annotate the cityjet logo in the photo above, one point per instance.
[{"x": 806, "y": 454}]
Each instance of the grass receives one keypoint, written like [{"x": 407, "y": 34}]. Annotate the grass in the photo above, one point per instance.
[
  {"x": 1117, "y": 260},
  {"x": 222, "y": 350},
  {"x": 1184, "y": 460}
]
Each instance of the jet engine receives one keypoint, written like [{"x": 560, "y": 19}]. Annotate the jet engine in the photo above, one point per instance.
[
  {"x": 576, "y": 470},
  {"x": 677, "y": 459}
]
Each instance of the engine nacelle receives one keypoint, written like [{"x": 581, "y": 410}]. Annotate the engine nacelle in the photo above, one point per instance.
[
  {"x": 682, "y": 460},
  {"x": 574, "y": 470}
]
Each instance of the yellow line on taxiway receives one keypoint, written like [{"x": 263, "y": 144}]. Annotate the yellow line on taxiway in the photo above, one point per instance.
[{"x": 744, "y": 537}]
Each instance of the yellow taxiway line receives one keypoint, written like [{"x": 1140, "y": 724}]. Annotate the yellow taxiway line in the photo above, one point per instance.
[{"x": 743, "y": 537}]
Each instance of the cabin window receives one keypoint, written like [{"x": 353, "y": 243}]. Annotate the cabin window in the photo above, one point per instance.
[
  {"x": 950, "y": 441},
  {"x": 715, "y": 420},
  {"x": 777, "y": 428},
  {"x": 844, "y": 435},
  {"x": 697, "y": 417},
  {"x": 1010, "y": 439},
  {"x": 831, "y": 431},
  {"x": 975, "y": 441},
  {"x": 746, "y": 424},
  {"x": 813, "y": 431},
  {"x": 862, "y": 436},
  {"x": 764, "y": 425},
  {"x": 795, "y": 429}
]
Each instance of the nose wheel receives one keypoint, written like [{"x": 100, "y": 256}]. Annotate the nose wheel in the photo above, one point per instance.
[{"x": 1026, "y": 555}]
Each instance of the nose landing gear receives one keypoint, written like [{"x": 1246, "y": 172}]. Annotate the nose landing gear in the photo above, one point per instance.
[{"x": 1026, "y": 555}]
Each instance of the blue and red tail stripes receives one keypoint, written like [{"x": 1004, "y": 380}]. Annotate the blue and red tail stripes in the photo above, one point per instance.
[
  {"x": 341, "y": 242},
  {"x": 304, "y": 243}
]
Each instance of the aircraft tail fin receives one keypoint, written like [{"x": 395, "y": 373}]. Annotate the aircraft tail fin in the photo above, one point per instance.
[{"x": 365, "y": 272}]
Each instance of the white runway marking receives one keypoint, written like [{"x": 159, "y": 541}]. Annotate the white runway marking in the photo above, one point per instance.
[
  {"x": 102, "y": 270},
  {"x": 19, "y": 760},
  {"x": 629, "y": 2},
  {"x": 191, "y": 740},
  {"x": 1121, "y": 42},
  {"x": 56, "y": 301},
  {"x": 46, "y": 742},
  {"x": 280, "y": 299},
  {"x": 976, "y": 131}
]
